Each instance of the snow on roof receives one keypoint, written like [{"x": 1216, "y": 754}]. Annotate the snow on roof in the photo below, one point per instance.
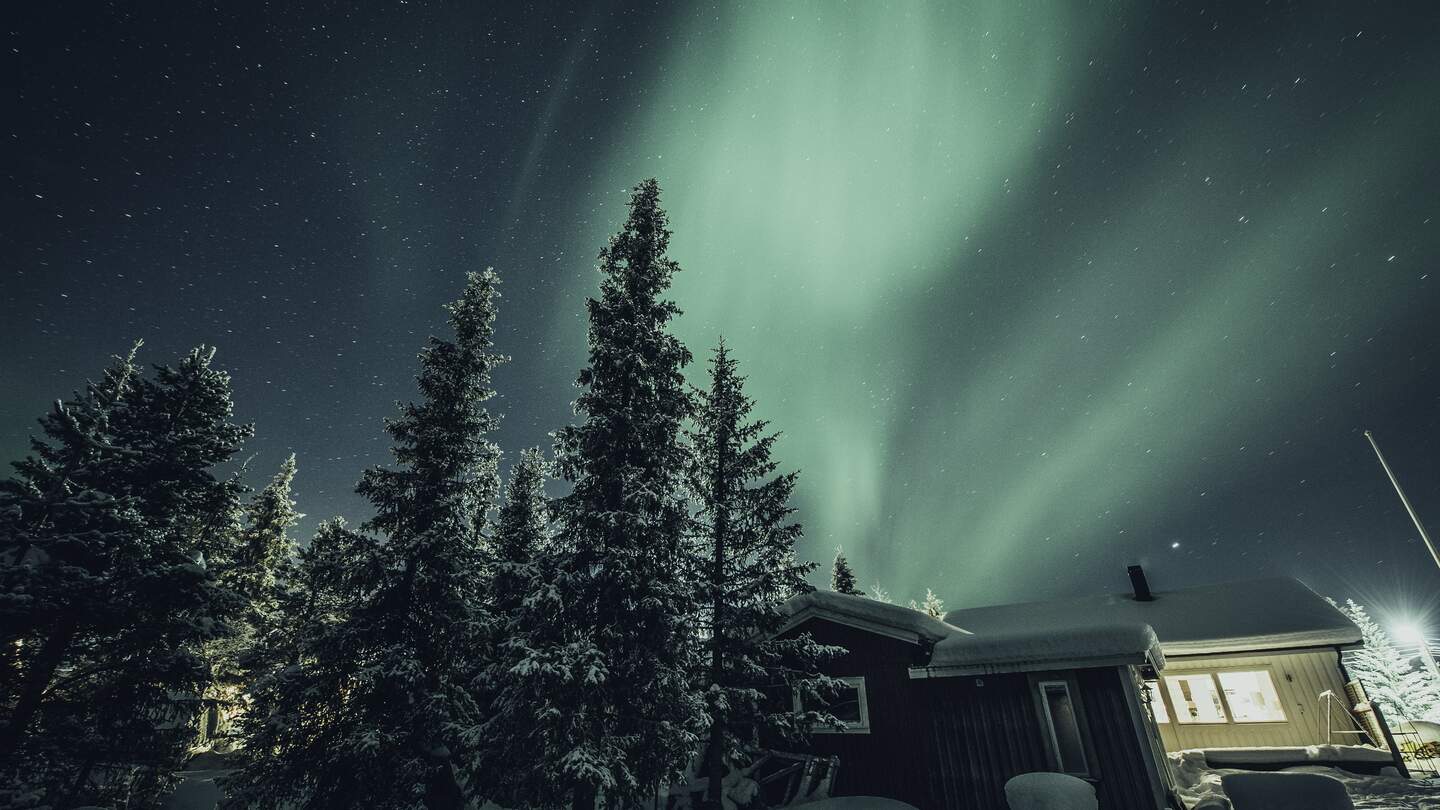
[
  {"x": 1036, "y": 648},
  {"x": 866, "y": 613},
  {"x": 957, "y": 651},
  {"x": 1263, "y": 614}
]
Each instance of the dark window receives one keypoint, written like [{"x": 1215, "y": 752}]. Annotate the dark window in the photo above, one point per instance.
[
  {"x": 1063, "y": 725},
  {"x": 849, "y": 705}
]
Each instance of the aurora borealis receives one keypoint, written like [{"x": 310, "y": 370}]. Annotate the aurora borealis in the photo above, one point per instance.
[{"x": 1034, "y": 290}]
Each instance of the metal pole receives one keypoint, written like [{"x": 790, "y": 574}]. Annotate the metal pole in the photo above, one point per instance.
[
  {"x": 1424, "y": 535},
  {"x": 1429, "y": 658}
]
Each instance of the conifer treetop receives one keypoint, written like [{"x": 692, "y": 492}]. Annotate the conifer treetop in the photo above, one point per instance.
[{"x": 842, "y": 578}]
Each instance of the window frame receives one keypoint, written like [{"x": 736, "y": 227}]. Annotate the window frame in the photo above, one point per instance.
[
  {"x": 1048, "y": 719},
  {"x": 1269, "y": 676},
  {"x": 1176, "y": 715},
  {"x": 1168, "y": 701},
  {"x": 861, "y": 699},
  {"x": 1154, "y": 690}
]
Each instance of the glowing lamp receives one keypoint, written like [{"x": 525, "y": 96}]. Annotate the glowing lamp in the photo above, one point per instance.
[{"x": 1410, "y": 632}]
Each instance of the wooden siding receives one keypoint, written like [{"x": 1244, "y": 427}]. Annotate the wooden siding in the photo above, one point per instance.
[
  {"x": 1299, "y": 678},
  {"x": 983, "y": 731},
  {"x": 953, "y": 743},
  {"x": 1123, "y": 773},
  {"x": 885, "y": 761}
]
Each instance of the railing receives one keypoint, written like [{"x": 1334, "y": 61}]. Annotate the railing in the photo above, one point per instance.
[{"x": 1419, "y": 745}]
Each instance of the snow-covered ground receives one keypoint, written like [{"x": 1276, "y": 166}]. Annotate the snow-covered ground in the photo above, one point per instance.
[
  {"x": 854, "y": 803},
  {"x": 1197, "y": 781},
  {"x": 197, "y": 791}
]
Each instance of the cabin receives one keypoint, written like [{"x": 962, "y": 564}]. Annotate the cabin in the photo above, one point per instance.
[
  {"x": 940, "y": 714},
  {"x": 1248, "y": 664},
  {"x": 940, "y": 718}
]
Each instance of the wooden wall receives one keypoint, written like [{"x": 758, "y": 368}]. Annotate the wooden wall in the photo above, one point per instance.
[
  {"x": 983, "y": 731},
  {"x": 953, "y": 743},
  {"x": 1123, "y": 776},
  {"x": 884, "y": 762},
  {"x": 1299, "y": 678}
]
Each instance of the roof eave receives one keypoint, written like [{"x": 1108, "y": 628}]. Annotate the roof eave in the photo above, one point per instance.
[
  {"x": 1008, "y": 667},
  {"x": 859, "y": 623},
  {"x": 1184, "y": 649}
]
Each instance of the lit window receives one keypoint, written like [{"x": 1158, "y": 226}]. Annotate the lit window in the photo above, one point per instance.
[
  {"x": 1195, "y": 698},
  {"x": 1252, "y": 697},
  {"x": 849, "y": 706},
  {"x": 1157, "y": 702},
  {"x": 1063, "y": 726}
]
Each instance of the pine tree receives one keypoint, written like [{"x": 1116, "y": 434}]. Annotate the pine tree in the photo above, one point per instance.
[
  {"x": 264, "y": 544},
  {"x": 1403, "y": 692},
  {"x": 316, "y": 589},
  {"x": 108, "y": 602},
  {"x": 842, "y": 579},
  {"x": 932, "y": 606},
  {"x": 522, "y": 567},
  {"x": 605, "y": 681},
  {"x": 319, "y": 589},
  {"x": 259, "y": 554},
  {"x": 521, "y": 533},
  {"x": 748, "y": 537},
  {"x": 380, "y": 699}
]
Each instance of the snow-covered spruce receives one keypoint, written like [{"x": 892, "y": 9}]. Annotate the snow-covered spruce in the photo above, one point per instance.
[
  {"x": 374, "y": 708},
  {"x": 523, "y": 607},
  {"x": 1403, "y": 691},
  {"x": 933, "y": 606},
  {"x": 603, "y": 689},
  {"x": 745, "y": 537},
  {"x": 842, "y": 577},
  {"x": 107, "y": 603},
  {"x": 251, "y": 569}
]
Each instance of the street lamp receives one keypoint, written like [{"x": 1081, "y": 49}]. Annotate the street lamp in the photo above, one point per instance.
[{"x": 1412, "y": 633}]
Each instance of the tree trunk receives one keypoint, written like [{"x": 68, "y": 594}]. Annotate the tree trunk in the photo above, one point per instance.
[
  {"x": 583, "y": 798},
  {"x": 715, "y": 769},
  {"x": 443, "y": 792},
  {"x": 715, "y": 751},
  {"x": 80, "y": 779},
  {"x": 42, "y": 671}
]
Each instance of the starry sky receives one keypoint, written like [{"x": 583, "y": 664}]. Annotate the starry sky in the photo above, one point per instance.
[{"x": 1033, "y": 289}]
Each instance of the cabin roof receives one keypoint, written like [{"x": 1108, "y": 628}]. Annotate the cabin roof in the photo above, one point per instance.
[
  {"x": 957, "y": 651},
  {"x": 867, "y": 614},
  {"x": 1030, "y": 649},
  {"x": 1262, "y": 614}
]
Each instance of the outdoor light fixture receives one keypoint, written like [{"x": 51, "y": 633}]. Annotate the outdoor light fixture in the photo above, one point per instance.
[{"x": 1410, "y": 633}]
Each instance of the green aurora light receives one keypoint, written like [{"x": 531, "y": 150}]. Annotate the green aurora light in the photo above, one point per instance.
[{"x": 838, "y": 182}]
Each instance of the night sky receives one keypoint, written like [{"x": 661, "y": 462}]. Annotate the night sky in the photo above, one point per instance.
[{"x": 1034, "y": 289}]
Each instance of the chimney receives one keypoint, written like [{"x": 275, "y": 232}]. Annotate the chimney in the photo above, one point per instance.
[{"x": 1139, "y": 585}]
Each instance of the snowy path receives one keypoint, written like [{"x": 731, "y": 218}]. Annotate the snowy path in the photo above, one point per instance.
[{"x": 1196, "y": 781}]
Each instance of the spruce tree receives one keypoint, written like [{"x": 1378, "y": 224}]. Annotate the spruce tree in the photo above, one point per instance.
[
  {"x": 1403, "y": 692},
  {"x": 316, "y": 589},
  {"x": 264, "y": 544},
  {"x": 522, "y": 566},
  {"x": 747, "y": 536},
  {"x": 521, "y": 534},
  {"x": 842, "y": 579},
  {"x": 608, "y": 693},
  {"x": 109, "y": 604},
  {"x": 933, "y": 606},
  {"x": 389, "y": 682},
  {"x": 291, "y": 698},
  {"x": 261, "y": 550}
]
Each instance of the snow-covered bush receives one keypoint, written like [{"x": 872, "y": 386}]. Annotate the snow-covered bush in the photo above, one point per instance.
[
  {"x": 1049, "y": 791},
  {"x": 1286, "y": 791}
]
